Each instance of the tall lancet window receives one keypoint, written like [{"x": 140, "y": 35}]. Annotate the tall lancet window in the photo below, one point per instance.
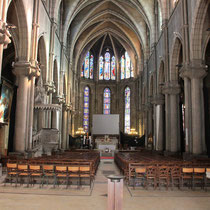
[
  {"x": 107, "y": 101},
  {"x": 127, "y": 110},
  {"x": 86, "y": 109},
  {"x": 127, "y": 70},
  {"x": 107, "y": 70},
  {"x": 88, "y": 66}
]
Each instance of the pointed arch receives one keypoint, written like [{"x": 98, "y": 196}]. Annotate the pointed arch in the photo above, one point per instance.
[
  {"x": 161, "y": 77},
  {"x": 42, "y": 58},
  {"x": 201, "y": 10},
  {"x": 56, "y": 76},
  {"x": 175, "y": 58}
]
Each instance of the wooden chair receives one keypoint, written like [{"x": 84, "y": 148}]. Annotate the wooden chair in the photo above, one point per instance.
[
  {"x": 207, "y": 178},
  {"x": 73, "y": 173},
  {"x": 163, "y": 176},
  {"x": 48, "y": 173},
  {"x": 199, "y": 177},
  {"x": 151, "y": 176},
  {"x": 35, "y": 173},
  {"x": 140, "y": 175},
  {"x": 61, "y": 173},
  {"x": 175, "y": 176},
  {"x": 12, "y": 172},
  {"x": 23, "y": 173},
  {"x": 187, "y": 176},
  {"x": 85, "y": 172}
]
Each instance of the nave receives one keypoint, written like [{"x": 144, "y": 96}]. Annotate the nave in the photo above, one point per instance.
[{"x": 96, "y": 196}]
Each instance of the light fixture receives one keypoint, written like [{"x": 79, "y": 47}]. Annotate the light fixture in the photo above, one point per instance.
[
  {"x": 80, "y": 131},
  {"x": 133, "y": 132}
]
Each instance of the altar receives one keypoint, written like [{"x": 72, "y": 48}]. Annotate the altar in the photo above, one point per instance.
[{"x": 106, "y": 142}]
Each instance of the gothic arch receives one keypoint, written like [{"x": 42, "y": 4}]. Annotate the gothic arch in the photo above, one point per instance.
[
  {"x": 161, "y": 77},
  {"x": 42, "y": 58},
  {"x": 56, "y": 76},
  {"x": 22, "y": 28},
  {"x": 177, "y": 46},
  {"x": 197, "y": 32},
  {"x": 151, "y": 86}
]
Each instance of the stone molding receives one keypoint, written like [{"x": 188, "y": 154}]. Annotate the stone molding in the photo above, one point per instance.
[
  {"x": 49, "y": 87},
  {"x": 172, "y": 88},
  {"x": 196, "y": 70},
  {"x": 67, "y": 107},
  {"x": 48, "y": 107},
  {"x": 158, "y": 99},
  {"x": 24, "y": 68},
  {"x": 4, "y": 34}
]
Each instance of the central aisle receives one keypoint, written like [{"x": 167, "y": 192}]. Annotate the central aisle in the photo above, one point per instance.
[{"x": 106, "y": 167}]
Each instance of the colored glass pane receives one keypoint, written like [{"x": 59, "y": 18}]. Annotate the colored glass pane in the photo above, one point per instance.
[
  {"x": 107, "y": 66},
  {"x": 82, "y": 71},
  {"x": 127, "y": 66},
  {"x": 86, "y": 109},
  {"x": 101, "y": 66},
  {"x": 127, "y": 109},
  {"x": 107, "y": 101},
  {"x": 87, "y": 70},
  {"x": 91, "y": 67},
  {"x": 113, "y": 68},
  {"x": 122, "y": 67}
]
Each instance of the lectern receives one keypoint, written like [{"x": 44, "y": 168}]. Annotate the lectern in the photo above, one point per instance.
[{"x": 115, "y": 192}]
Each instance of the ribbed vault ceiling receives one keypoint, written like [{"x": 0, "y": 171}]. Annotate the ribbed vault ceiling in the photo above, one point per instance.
[{"x": 127, "y": 23}]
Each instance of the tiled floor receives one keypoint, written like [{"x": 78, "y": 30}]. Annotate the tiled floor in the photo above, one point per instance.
[{"x": 12, "y": 198}]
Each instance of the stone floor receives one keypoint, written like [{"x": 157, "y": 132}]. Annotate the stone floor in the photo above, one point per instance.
[{"x": 22, "y": 198}]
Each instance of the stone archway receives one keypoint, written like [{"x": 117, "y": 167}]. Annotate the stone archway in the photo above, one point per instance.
[{"x": 206, "y": 91}]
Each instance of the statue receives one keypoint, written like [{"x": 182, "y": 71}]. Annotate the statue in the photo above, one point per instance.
[{"x": 40, "y": 94}]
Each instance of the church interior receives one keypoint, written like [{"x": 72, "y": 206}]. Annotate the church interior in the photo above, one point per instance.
[{"x": 96, "y": 89}]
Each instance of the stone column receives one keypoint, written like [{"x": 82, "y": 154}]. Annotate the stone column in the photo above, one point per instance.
[
  {"x": 159, "y": 122},
  {"x": 197, "y": 76},
  {"x": 187, "y": 103},
  {"x": 55, "y": 119},
  {"x": 4, "y": 33},
  {"x": 196, "y": 72},
  {"x": 22, "y": 72},
  {"x": 173, "y": 90}
]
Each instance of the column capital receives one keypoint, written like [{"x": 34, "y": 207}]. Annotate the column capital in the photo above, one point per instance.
[
  {"x": 4, "y": 34},
  {"x": 67, "y": 107},
  {"x": 22, "y": 68},
  {"x": 158, "y": 99},
  {"x": 195, "y": 70},
  {"x": 172, "y": 88},
  {"x": 49, "y": 87}
]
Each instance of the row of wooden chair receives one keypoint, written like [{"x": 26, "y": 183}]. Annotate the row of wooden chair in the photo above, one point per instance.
[
  {"x": 169, "y": 176},
  {"x": 44, "y": 173}
]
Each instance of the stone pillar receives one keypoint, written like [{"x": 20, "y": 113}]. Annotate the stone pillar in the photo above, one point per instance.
[
  {"x": 4, "y": 33},
  {"x": 159, "y": 122},
  {"x": 22, "y": 71},
  {"x": 168, "y": 122},
  {"x": 197, "y": 122},
  {"x": 55, "y": 119},
  {"x": 172, "y": 89},
  {"x": 187, "y": 117},
  {"x": 196, "y": 72}
]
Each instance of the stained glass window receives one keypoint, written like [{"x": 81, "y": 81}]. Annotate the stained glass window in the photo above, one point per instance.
[
  {"x": 107, "y": 69},
  {"x": 122, "y": 67},
  {"x": 107, "y": 101},
  {"x": 127, "y": 70},
  {"x": 101, "y": 67},
  {"x": 127, "y": 109},
  {"x": 86, "y": 109},
  {"x": 88, "y": 66},
  {"x": 113, "y": 68}
]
